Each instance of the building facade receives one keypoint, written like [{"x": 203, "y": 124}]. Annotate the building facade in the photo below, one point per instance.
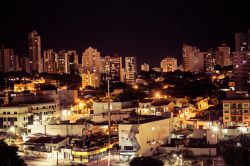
[
  {"x": 241, "y": 63},
  {"x": 8, "y": 60},
  {"x": 112, "y": 65},
  {"x": 130, "y": 69},
  {"x": 50, "y": 61},
  {"x": 91, "y": 60},
  {"x": 169, "y": 64},
  {"x": 35, "y": 52},
  {"x": 193, "y": 59},
  {"x": 223, "y": 55},
  {"x": 236, "y": 112},
  {"x": 90, "y": 79},
  {"x": 62, "y": 62},
  {"x": 25, "y": 64},
  {"x": 15, "y": 116},
  {"x": 133, "y": 141},
  {"x": 210, "y": 58},
  {"x": 144, "y": 67},
  {"x": 242, "y": 41},
  {"x": 67, "y": 97}
]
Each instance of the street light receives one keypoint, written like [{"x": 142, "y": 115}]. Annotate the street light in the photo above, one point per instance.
[
  {"x": 215, "y": 130},
  {"x": 12, "y": 129},
  {"x": 136, "y": 87},
  {"x": 180, "y": 157},
  {"x": 81, "y": 105},
  {"x": 157, "y": 95}
]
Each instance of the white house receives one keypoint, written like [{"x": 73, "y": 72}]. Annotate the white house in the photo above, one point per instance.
[{"x": 144, "y": 136}]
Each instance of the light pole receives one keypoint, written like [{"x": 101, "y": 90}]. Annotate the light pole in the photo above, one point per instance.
[
  {"x": 180, "y": 157},
  {"x": 109, "y": 126}
]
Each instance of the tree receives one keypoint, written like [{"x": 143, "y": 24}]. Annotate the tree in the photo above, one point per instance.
[
  {"x": 217, "y": 67},
  {"x": 1, "y": 102},
  {"x": 129, "y": 95},
  {"x": 9, "y": 156},
  {"x": 145, "y": 161},
  {"x": 237, "y": 156},
  {"x": 48, "y": 87}
]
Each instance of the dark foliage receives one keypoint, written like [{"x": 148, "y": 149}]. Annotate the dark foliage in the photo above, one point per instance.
[
  {"x": 8, "y": 155},
  {"x": 130, "y": 95},
  {"x": 145, "y": 161},
  {"x": 48, "y": 87},
  {"x": 1, "y": 102},
  {"x": 237, "y": 156}
]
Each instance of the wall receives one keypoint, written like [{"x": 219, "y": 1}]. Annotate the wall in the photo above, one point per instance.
[
  {"x": 22, "y": 114},
  {"x": 68, "y": 97},
  {"x": 62, "y": 130},
  {"x": 114, "y": 117},
  {"x": 196, "y": 151},
  {"x": 100, "y": 107},
  {"x": 31, "y": 98},
  {"x": 145, "y": 137}
]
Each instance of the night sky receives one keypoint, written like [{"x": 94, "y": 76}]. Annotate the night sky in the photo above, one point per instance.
[{"x": 149, "y": 30}]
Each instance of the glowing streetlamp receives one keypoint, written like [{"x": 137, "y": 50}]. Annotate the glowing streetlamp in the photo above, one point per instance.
[
  {"x": 157, "y": 95},
  {"x": 215, "y": 128},
  {"x": 180, "y": 157},
  {"x": 12, "y": 129},
  {"x": 81, "y": 105},
  {"x": 136, "y": 87}
]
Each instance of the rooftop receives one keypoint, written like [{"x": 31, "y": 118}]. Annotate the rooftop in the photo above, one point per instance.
[
  {"x": 143, "y": 119},
  {"x": 160, "y": 102},
  {"x": 45, "y": 140}
]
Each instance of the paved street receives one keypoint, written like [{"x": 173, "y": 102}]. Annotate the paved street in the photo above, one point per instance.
[{"x": 37, "y": 161}]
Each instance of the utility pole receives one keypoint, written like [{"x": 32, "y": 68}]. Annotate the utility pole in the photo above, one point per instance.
[
  {"x": 109, "y": 125},
  {"x": 57, "y": 158}
]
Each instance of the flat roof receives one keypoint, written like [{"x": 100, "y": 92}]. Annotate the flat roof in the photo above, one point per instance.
[
  {"x": 142, "y": 119},
  {"x": 44, "y": 140}
]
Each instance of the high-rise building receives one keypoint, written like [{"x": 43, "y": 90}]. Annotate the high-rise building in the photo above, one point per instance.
[
  {"x": 169, "y": 64},
  {"x": 210, "y": 57},
  {"x": 193, "y": 59},
  {"x": 130, "y": 69},
  {"x": 242, "y": 41},
  {"x": 248, "y": 33},
  {"x": 144, "y": 67},
  {"x": 223, "y": 55},
  {"x": 2, "y": 58},
  {"x": 241, "y": 62},
  {"x": 90, "y": 79},
  {"x": 25, "y": 64},
  {"x": 72, "y": 61},
  {"x": 91, "y": 60},
  {"x": 62, "y": 62},
  {"x": 50, "y": 61},
  {"x": 92, "y": 66},
  {"x": 113, "y": 66},
  {"x": 35, "y": 52},
  {"x": 8, "y": 60}
]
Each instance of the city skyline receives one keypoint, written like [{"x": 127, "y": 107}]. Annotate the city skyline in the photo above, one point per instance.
[{"x": 142, "y": 29}]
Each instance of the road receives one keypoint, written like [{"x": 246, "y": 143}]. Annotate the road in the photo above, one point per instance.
[{"x": 37, "y": 161}]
